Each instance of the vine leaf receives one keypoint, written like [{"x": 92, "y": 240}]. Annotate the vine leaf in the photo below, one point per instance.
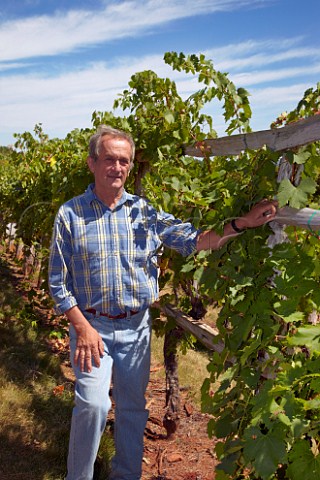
[
  {"x": 301, "y": 157},
  {"x": 307, "y": 335},
  {"x": 303, "y": 460},
  {"x": 264, "y": 451},
  {"x": 297, "y": 197}
]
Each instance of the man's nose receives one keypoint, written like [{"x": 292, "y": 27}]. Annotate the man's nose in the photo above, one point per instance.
[{"x": 116, "y": 164}]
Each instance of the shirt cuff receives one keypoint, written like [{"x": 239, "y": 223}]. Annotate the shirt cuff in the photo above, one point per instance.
[{"x": 65, "y": 305}]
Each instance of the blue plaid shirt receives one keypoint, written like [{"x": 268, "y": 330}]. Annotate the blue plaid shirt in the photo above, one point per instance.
[{"x": 107, "y": 259}]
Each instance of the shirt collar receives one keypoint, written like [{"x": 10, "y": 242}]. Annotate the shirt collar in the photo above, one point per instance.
[{"x": 90, "y": 196}]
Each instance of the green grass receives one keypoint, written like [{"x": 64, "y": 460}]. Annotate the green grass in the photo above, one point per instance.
[
  {"x": 34, "y": 421},
  {"x": 192, "y": 368},
  {"x": 34, "y": 417}
]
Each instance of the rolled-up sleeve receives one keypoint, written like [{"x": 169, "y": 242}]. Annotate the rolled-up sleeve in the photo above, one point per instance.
[
  {"x": 176, "y": 234},
  {"x": 60, "y": 279}
]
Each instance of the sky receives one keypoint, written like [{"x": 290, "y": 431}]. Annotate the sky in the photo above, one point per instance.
[{"x": 62, "y": 60}]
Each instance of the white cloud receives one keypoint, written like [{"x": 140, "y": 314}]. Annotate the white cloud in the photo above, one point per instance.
[
  {"x": 66, "y": 31},
  {"x": 282, "y": 96},
  {"x": 247, "y": 79},
  {"x": 260, "y": 54},
  {"x": 12, "y": 65},
  {"x": 67, "y": 101}
]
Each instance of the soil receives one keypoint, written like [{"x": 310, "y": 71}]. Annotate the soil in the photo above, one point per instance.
[{"x": 189, "y": 453}]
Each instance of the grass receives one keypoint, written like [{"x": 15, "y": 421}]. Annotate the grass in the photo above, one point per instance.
[
  {"x": 192, "y": 368},
  {"x": 34, "y": 421},
  {"x": 36, "y": 399}
]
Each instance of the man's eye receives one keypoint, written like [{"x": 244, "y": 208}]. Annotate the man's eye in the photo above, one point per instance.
[{"x": 112, "y": 161}]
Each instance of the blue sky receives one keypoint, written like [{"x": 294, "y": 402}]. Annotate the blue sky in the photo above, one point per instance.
[{"x": 61, "y": 60}]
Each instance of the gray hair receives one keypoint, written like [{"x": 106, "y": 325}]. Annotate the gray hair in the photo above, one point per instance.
[{"x": 95, "y": 140}]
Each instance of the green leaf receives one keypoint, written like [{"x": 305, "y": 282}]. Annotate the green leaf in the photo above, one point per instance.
[
  {"x": 250, "y": 377},
  {"x": 175, "y": 183},
  {"x": 304, "y": 465},
  {"x": 187, "y": 267},
  {"x": 228, "y": 465},
  {"x": 297, "y": 197},
  {"x": 315, "y": 384},
  {"x": 252, "y": 347},
  {"x": 265, "y": 452},
  {"x": 220, "y": 475},
  {"x": 301, "y": 157},
  {"x": 313, "y": 404},
  {"x": 169, "y": 117},
  {"x": 286, "y": 191},
  {"x": 225, "y": 425},
  {"x": 308, "y": 336}
]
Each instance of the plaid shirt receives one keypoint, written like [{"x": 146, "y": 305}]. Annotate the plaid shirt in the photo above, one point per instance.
[{"x": 107, "y": 259}]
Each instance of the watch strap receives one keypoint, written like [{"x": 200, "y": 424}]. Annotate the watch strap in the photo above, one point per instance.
[{"x": 235, "y": 227}]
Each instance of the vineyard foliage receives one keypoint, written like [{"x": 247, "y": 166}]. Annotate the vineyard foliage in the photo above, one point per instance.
[{"x": 264, "y": 389}]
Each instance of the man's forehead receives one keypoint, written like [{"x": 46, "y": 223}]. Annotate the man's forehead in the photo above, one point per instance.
[{"x": 109, "y": 142}]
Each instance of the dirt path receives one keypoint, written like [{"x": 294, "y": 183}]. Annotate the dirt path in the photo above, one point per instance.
[{"x": 189, "y": 454}]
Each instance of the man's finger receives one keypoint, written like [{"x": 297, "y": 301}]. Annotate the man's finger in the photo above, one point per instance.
[
  {"x": 82, "y": 355},
  {"x": 101, "y": 348},
  {"x": 267, "y": 213},
  {"x": 96, "y": 358},
  {"x": 82, "y": 358},
  {"x": 88, "y": 361}
]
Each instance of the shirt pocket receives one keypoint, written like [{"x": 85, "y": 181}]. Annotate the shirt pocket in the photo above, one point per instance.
[{"x": 145, "y": 239}]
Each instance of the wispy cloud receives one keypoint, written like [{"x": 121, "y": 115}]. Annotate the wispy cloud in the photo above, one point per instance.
[
  {"x": 12, "y": 66},
  {"x": 260, "y": 77},
  {"x": 279, "y": 95},
  {"x": 66, "y": 31},
  {"x": 252, "y": 54},
  {"x": 68, "y": 98}
]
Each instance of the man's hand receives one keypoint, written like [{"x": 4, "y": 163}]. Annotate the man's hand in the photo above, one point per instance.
[
  {"x": 89, "y": 346},
  {"x": 89, "y": 342},
  {"x": 260, "y": 214}
]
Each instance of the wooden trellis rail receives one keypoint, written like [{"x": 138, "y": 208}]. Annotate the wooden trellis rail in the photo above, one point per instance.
[
  {"x": 203, "y": 332},
  {"x": 293, "y": 135}
]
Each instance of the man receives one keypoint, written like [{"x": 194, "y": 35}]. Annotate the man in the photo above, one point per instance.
[{"x": 103, "y": 277}]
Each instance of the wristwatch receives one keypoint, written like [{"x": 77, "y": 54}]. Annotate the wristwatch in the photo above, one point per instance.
[{"x": 235, "y": 228}]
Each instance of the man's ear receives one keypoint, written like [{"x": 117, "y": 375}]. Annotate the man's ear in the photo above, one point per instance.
[{"x": 91, "y": 164}]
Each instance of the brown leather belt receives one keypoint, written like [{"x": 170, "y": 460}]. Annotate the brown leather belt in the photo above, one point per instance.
[{"x": 113, "y": 317}]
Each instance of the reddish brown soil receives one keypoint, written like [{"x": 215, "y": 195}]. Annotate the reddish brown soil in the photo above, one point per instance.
[{"x": 189, "y": 454}]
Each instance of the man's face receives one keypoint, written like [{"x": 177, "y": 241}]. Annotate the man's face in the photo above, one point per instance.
[{"x": 112, "y": 167}]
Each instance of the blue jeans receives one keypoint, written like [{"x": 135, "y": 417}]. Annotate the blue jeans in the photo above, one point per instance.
[{"x": 127, "y": 361}]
